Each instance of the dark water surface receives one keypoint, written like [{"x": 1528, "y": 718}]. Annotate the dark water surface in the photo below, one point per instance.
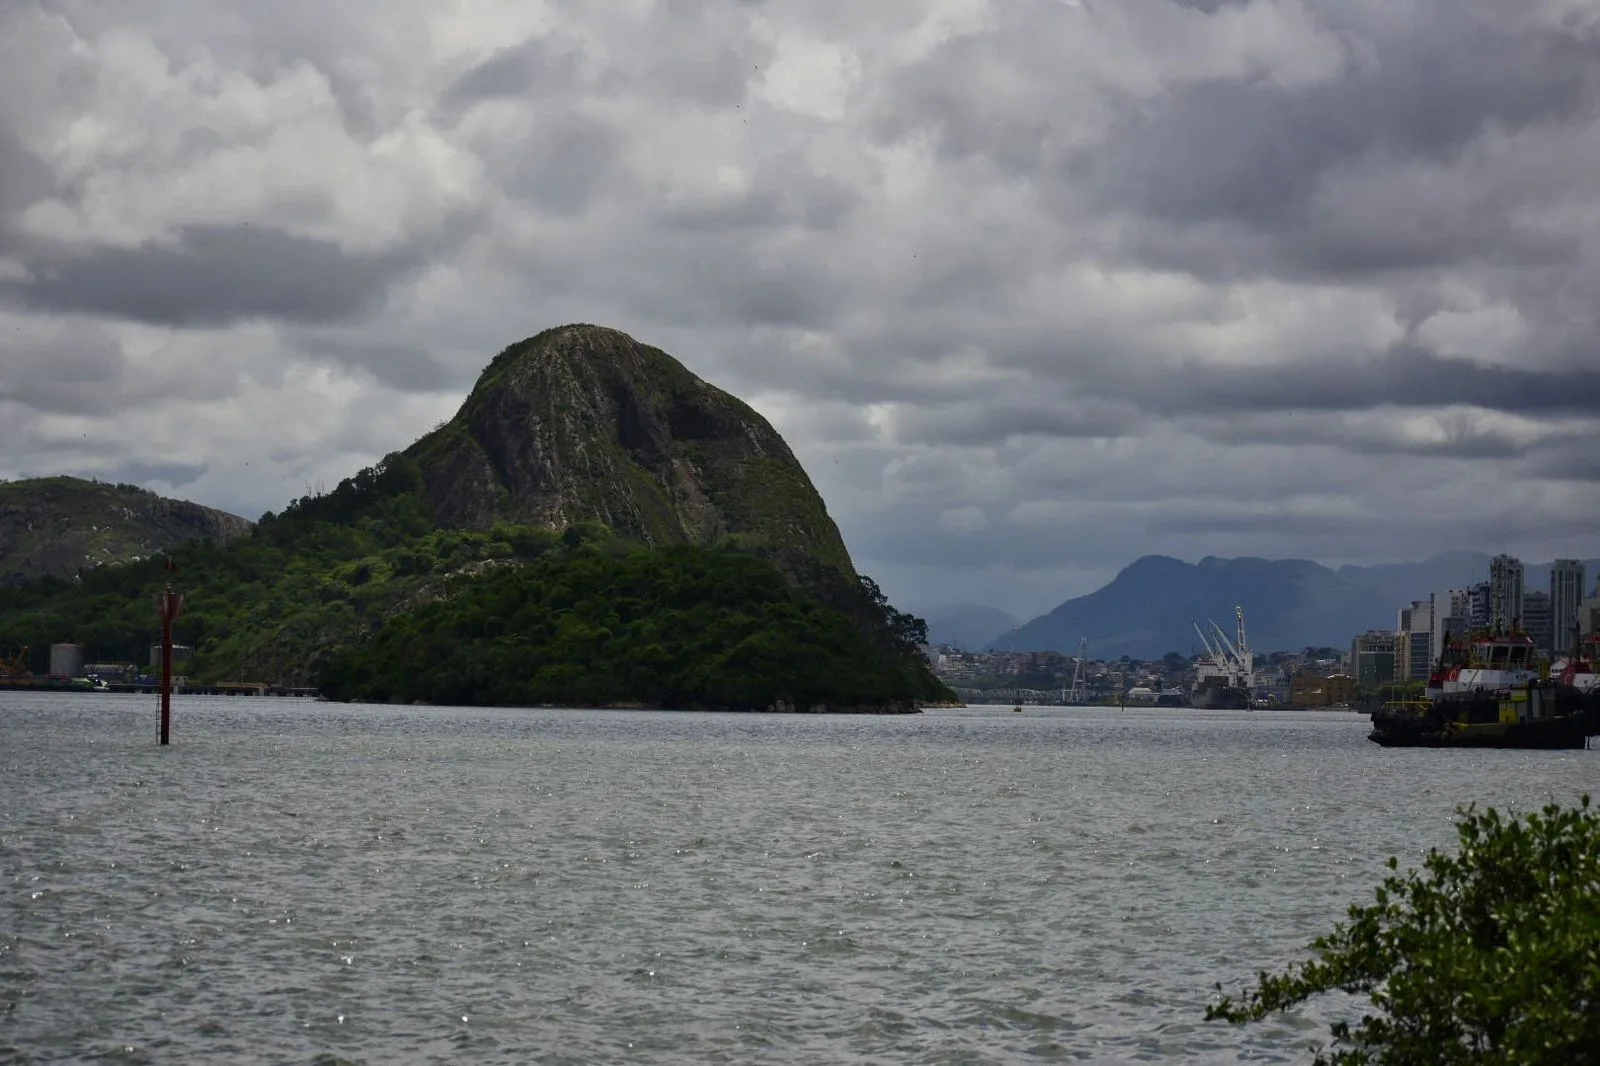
[{"x": 300, "y": 882}]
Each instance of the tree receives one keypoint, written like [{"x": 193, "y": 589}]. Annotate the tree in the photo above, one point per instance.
[{"x": 1488, "y": 956}]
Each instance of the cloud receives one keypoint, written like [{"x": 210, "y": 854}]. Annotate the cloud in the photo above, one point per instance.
[
  {"x": 210, "y": 276},
  {"x": 1031, "y": 287}
]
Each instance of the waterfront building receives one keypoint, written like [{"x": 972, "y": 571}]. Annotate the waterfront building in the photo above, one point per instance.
[
  {"x": 1414, "y": 641},
  {"x": 1505, "y": 592},
  {"x": 1452, "y": 615},
  {"x": 1566, "y": 600},
  {"x": 1478, "y": 606},
  {"x": 1536, "y": 619},
  {"x": 1589, "y": 614},
  {"x": 1309, "y": 689},
  {"x": 1372, "y": 658}
]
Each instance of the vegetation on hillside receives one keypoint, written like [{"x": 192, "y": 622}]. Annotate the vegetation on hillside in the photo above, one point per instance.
[
  {"x": 597, "y": 622},
  {"x": 61, "y": 526},
  {"x": 356, "y": 590},
  {"x": 1491, "y": 955}
]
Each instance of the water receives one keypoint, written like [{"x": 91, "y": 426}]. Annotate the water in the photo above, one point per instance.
[{"x": 299, "y": 882}]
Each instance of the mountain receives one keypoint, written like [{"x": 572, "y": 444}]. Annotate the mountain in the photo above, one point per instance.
[
  {"x": 1146, "y": 610},
  {"x": 595, "y": 526},
  {"x": 966, "y": 625},
  {"x": 59, "y": 526},
  {"x": 585, "y": 423}
]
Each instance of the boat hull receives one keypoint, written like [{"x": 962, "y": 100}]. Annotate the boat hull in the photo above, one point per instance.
[
  {"x": 1557, "y": 734},
  {"x": 1219, "y": 698},
  {"x": 1544, "y": 717}
]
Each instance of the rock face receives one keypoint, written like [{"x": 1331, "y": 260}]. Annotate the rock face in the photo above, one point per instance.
[
  {"x": 60, "y": 526},
  {"x": 583, "y": 423}
]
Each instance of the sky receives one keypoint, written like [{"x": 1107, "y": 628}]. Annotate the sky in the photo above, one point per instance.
[{"x": 1031, "y": 287}]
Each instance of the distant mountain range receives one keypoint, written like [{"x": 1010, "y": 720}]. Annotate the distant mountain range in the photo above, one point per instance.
[
  {"x": 1147, "y": 609},
  {"x": 966, "y": 625}
]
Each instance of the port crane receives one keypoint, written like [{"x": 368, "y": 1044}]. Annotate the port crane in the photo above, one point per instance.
[
  {"x": 1078, "y": 693},
  {"x": 1230, "y": 659},
  {"x": 17, "y": 665}
]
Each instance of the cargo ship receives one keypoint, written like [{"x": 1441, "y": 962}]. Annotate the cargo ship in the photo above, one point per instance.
[
  {"x": 1215, "y": 693},
  {"x": 1494, "y": 692}
]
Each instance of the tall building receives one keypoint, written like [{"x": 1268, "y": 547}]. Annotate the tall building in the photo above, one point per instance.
[
  {"x": 1413, "y": 651},
  {"x": 1478, "y": 606},
  {"x": 1505, "y": 593},
  {"x": 1589, "y": 615},
  {"x": 1566, "y": 599},
  {"x": 1536, "y": 619}
]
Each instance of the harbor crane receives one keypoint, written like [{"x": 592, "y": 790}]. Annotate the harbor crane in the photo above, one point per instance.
[
  {"x": 17, "y": 665},
  {"x": 1078, "y": 693},
  {"x": 1230, "y": 659}
]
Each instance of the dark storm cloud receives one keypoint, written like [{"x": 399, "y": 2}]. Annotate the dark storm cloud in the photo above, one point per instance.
[
  {"x": 137, "y": 473},
  {"x": 537, "y": 67},
  {"x": 712, "y": 76},
  {"x": 562, "y": 164},
  {"x": 1405, "y": 376},
  {"x": 1577, "y": 460},
  {"x": 24, "y": 180},
  {"x": 403, "y": 366},
  {"x": 1453, "y": 434},
  {"x": 213, "y": 275},
  {"x": 1257, "y": 153},
  {"x": 784, "y": 191},
  {"x": 1210, "y": 7},
  {"x": 978, "y": 423},
  {"x": 78, "y": 371},
  {"x": 691, "y": 53}
]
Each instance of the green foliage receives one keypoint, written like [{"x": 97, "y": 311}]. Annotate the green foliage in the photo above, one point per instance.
[
  {"x": 267, "y": 607},
  {"x": 356, "y": 587},
  {"x": 1488, "y": 956},
  {"x": 680, "y": 626},
  {"x": 63, "y": 526}
]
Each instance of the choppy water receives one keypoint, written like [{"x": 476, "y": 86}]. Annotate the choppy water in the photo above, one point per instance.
[{"x": 298, "y": 882}]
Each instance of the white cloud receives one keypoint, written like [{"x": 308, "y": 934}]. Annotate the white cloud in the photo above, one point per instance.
[{"x": 1032, "y": 288}]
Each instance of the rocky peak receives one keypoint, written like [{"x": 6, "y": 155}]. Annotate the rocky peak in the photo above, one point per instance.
[{"x": 585, "y": 423}]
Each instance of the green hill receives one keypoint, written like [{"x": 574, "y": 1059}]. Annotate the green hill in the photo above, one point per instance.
[
  {"x": 61, "y": 526},
  {"x": 661, "y": 546}
]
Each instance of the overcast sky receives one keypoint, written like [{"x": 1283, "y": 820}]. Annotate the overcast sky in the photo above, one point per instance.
[{"x": 1032, "y": 287}]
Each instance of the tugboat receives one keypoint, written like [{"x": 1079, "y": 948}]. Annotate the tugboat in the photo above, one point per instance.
[{"x": 1492, "y": 692}]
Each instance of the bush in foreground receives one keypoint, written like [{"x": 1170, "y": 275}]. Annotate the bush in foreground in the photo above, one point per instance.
[{"x": 1488, "y": 956}]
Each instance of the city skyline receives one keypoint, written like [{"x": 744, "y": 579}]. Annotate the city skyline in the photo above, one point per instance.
[{"x": 1555, "y": 619}]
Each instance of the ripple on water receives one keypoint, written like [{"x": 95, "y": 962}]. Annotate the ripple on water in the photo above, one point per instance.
[{"x": 299, "y": 882}]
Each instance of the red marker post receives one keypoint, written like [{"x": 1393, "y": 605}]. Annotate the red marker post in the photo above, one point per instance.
[{"x": 168, "y": 604}]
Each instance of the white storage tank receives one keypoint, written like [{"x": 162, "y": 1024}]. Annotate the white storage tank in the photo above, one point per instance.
[{"x": 66, "y": 660}]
